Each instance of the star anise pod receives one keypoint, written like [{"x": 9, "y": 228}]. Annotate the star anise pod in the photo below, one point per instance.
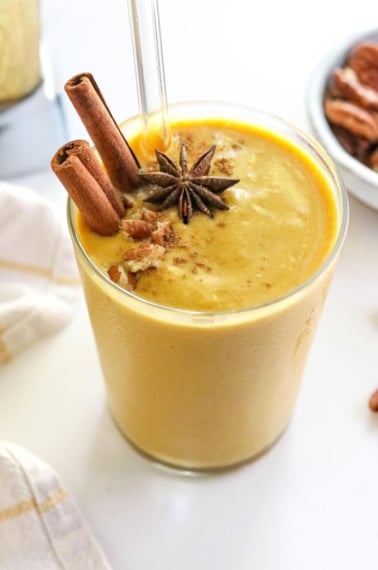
[{"x": 190, "y": 189}]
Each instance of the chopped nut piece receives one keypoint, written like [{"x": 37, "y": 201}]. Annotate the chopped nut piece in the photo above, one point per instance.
[
  {"x": 137, "y": 229},
  {"x": 144, "y": 256},
  {"x": 118, "y": 275},
  {"x": 133, "y": 280},
  {"x": 114, "y": 273},
  {"x": 163, "y": 233},
  {"x": 149, "y": 215}
]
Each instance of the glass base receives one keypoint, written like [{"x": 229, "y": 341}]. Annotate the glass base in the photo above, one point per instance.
[{"x": 194, "y": 471}]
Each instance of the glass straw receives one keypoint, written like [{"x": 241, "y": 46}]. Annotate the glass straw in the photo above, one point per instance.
[{"x": 149, "y": 65}]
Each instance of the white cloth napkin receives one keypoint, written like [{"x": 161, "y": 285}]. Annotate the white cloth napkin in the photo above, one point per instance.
[
  {"x": 41, "y": 527},
  {"x": 38, "y": 275}
]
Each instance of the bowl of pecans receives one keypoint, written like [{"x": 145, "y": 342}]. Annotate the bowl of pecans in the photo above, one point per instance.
[{"x": 342, "y": 105}]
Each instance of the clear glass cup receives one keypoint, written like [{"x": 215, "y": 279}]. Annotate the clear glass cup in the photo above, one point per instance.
[{"x": 208, "y": 390}]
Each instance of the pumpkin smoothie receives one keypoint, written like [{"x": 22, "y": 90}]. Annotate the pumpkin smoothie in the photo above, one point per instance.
[{"x": 204, "y": 319}]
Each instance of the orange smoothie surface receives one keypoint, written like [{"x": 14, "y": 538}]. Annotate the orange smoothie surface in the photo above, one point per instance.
[{"x": 281, "y": 224}]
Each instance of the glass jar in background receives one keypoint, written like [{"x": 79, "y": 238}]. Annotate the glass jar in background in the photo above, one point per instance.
[
  {"x": 32, "y": 120},
  {"x": 20, "y": 69}
]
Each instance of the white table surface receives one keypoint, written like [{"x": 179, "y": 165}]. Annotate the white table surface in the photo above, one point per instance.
[{"x": 312, "y": 502}]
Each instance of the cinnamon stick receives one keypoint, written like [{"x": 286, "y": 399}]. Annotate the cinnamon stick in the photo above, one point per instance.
[
  {"x": 86, "y": 192},
  {"x": 83, "y": 150},
  {"x": 116, "y": 154}
]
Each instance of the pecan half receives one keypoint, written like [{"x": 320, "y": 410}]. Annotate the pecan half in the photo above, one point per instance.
[
  {"x": 364, "y": 61},
  {"x": 349, "y": 87},
  {"x": 353, "y": 118}
]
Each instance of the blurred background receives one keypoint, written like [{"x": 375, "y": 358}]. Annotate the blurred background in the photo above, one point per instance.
[{"x": 259, "y": 55}]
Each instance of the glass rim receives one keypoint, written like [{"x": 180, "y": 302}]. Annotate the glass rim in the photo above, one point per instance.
[{"x": 328, "y": 167}]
